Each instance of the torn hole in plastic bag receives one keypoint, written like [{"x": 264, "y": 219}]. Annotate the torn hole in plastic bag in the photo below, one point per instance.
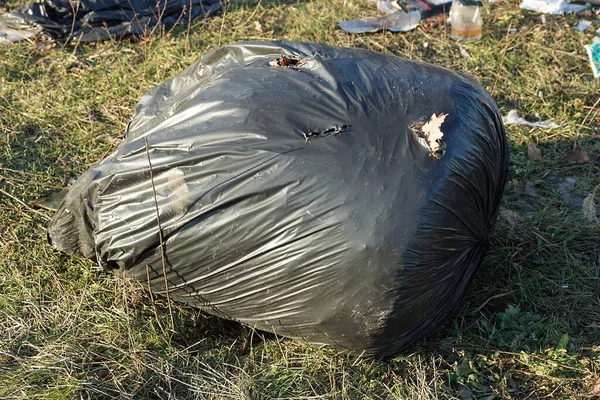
[
  {"x": 335, "y": 131},
  {"x": 288, "y": 61}
]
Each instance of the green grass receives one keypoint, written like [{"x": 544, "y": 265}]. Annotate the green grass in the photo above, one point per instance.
[{"x": 530, "y": 323}]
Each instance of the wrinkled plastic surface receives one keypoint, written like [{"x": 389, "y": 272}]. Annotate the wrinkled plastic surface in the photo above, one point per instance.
[
  {"x": 355, "y": 237},
  {"x": 96, "y": 20}
]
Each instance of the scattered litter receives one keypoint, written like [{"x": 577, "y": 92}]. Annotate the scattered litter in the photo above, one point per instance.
[
  {"x": 593, "y": 51},
  {"x": 465, "y": 53},
  {"x": 95, "y": 20},
  {"x": 596, "y": 40},
  {"x": 8, "y": 34},
  {"x": 399, "y": 17},
  {"x": 553, "y": 7},
  {"x": 533, "y": 152},
  {"x": 388, "y": 7},
  {"x": 564, "y": 286},
  {"x": 396, "y": 22},
  {"x": 435, "y": 21},
  {"x": 578, "y": 156},
  {"x": 583, "y": 25},
  {"x": 467, "y": 23},
  {"x": 514, "y": 118},
  {"x": 258, "y": 27}
]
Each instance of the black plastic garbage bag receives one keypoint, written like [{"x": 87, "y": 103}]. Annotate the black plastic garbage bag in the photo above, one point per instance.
[
  {"x": 301, "y": 198},
  {"x": 95, "y": 20}
]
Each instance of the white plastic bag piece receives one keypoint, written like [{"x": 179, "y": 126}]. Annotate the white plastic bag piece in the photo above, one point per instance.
[
  {"x": 514, "y": 118},
  {"x": 552, "y": 6}
]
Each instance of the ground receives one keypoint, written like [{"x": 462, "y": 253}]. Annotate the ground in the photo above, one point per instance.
[{"x": 529, "y": 326}]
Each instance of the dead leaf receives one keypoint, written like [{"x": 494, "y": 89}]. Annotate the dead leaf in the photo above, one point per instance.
[
  {"x": 533, "y": 152},
  {"x": 589, "y": 208},
  {"x": 434, "y": 22},
  {"x": 578, "y": 156},
  {"x": 595, "y": 392},
  {"x": 258, "y": 26},
  {"x": 434, "y": 135},
  {"x": 509, "y": 216}
]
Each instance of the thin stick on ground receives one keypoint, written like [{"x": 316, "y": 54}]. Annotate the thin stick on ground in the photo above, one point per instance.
[
  {"x": 224, "y": 6},
  {"x": 592, "y": 110},
  {"x": 127, "y": 314},
  {"x": 152, "y": 299},
  {"x": 47, "y": 218},
  {"x": 160, "y": 237},
  {"x": 507, "y": 43}
]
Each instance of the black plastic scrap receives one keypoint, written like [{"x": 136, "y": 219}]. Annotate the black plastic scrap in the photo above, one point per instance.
[
  {"x": 236, "y": 216},
  {"x": 96, "y": 20}
]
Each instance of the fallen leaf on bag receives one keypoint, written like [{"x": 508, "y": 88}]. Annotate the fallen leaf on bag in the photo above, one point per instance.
[
  {"x": 533, "y": 152},
  {"x": 434, "y": 135},
  {"x": 509, "y": 216},
  {"x": 578, "y": 156}
]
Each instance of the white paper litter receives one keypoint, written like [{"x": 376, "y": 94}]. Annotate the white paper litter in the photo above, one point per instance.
[
  {"x": 583, "y": 25},
  {"x": 514, "y": 118}
]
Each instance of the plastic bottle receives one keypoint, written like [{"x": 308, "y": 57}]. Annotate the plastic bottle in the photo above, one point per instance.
[{"x": 465, "y": 17}]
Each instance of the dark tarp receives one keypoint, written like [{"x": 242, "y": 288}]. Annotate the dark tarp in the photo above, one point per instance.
[
  {"x": 298, "y": 199},
  {"x": 95, "y": 20}
]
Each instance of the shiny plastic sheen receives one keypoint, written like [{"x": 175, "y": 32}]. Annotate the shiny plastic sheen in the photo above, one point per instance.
[
  {"x": 298, "y": 199},
  {"x": 95, "y": 20}
]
